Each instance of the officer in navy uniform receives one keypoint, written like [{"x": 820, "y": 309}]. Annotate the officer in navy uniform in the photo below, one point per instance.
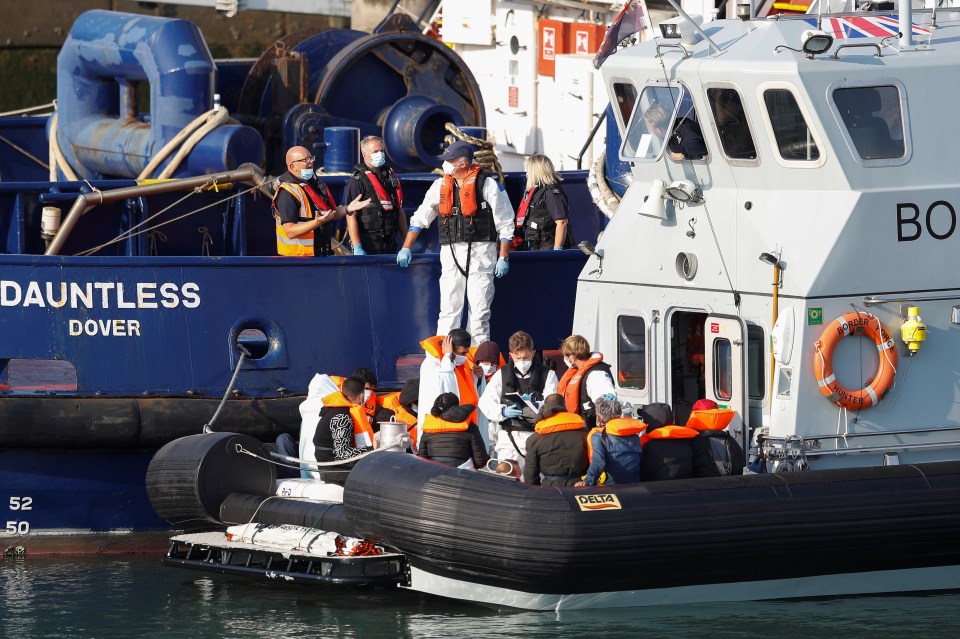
[
  {"x": 373, "y": 231},
  {"x": 542, "y": 216}
]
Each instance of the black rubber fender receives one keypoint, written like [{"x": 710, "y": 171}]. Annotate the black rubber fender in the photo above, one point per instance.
[{"x": 189, "y": 478}]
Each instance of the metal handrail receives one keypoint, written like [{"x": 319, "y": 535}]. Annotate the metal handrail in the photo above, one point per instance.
[
  {"x": 870, "y": 301},
  {"x": 596, "y": 127}
]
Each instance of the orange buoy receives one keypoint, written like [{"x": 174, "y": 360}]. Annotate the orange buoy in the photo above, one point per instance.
[{"x": 855, "y": 323}]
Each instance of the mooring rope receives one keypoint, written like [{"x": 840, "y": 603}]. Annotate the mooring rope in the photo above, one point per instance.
[{"x": 485, "y": 157}]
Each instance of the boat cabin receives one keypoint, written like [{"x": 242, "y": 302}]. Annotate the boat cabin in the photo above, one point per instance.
[{"x": 794, "y": 196}]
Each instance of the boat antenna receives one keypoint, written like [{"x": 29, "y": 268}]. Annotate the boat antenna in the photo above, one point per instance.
[{"x": 819, "y": 14}]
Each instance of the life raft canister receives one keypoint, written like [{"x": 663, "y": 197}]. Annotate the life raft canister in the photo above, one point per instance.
[{"x": 855, "y": 323}]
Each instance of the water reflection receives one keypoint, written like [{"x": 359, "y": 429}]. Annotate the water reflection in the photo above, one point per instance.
[{"x": 140, "y": 598}]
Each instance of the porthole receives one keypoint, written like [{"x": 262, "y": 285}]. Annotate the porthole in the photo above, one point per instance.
[{"x": 686, "y": 265}]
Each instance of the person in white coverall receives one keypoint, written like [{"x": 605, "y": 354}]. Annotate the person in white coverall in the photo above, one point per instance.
[{"x": 476, "y": 227}]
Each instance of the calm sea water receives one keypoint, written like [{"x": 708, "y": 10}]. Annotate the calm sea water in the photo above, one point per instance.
[{"x": 137, "y": 597}]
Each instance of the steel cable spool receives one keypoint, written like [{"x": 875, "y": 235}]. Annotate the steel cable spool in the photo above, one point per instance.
[{"x": 403, "y": 87}]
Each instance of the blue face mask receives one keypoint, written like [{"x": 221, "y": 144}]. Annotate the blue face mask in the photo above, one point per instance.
[
  {"x": 306, "y": 174},
  {"x": 378, "y": 159}
]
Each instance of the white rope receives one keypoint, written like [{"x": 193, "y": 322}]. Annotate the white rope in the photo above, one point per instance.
[
  {"x": 315, "y": 464},
  {"x": 602, "y": 195},
  {"x": 186, "y": 140},
  {"x": 39, "y": 107},
  {"x": 61, "y": 161}
]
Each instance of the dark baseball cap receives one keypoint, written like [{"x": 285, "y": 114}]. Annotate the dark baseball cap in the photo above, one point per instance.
[{"x": 458, "y": 149}]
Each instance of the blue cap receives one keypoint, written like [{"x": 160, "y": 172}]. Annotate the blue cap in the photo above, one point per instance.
[{"x": 458, "y": 149}]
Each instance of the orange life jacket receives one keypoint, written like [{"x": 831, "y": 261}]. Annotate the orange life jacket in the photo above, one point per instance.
[
  {"x": 668, "y": 432},
  {"x": 303, "y": 245},
  {"x": 569, "y": 385},
  {"x": 621, "y": 427},
  {"x": 469, "y": 201},
  {"x": 369, "y": 404},
  {"x": 391, "y": 401},
  {"x": 433, "y": 424},
  {"x": 559, "y": 423},
  {"x": 711, "y": 419},
  {"x": 466, "y": 385},
  {"x": 362, "y": 430}
]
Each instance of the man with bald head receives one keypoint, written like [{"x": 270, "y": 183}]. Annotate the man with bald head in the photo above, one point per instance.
[{"x": 304, "y": 208}]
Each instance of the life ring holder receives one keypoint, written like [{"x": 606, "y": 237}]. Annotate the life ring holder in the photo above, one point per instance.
[{"x": 855, "y": 323}]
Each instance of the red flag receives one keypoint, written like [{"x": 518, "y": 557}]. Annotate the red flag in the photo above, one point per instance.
[{"x": 631, "y": 19}]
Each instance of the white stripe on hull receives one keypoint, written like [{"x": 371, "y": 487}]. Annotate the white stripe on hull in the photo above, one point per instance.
[{"x": 875, "y": 582}]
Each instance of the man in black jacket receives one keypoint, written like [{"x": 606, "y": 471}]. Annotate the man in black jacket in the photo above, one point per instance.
[{"x": 373, "y": 230}]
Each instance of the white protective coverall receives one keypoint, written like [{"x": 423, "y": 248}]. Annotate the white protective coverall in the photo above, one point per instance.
[
  {"x": 483, "y": 258},
  {"x": 320, "y": 386},
  {"x": 490, "y": 406}
]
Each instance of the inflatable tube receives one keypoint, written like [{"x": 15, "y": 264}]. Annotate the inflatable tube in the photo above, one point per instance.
[
  {"x": 485, "y": 531},
  {"x": 189, "y": 478}
]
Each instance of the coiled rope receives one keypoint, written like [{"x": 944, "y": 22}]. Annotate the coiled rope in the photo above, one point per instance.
[
  {"x": 485, "y": 157},
  {"x": 188, "y": 138},
  {"x": 601, "y": 193}
]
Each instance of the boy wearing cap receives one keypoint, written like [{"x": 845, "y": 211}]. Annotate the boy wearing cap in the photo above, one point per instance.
[{"x": 476, "y": 227}]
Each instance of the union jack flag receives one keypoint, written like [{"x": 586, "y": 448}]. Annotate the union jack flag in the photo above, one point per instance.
[{"x": 863, "y": 26}]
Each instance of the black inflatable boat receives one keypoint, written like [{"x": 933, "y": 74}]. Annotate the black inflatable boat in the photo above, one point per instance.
[
  {"x": 835, "y": 532},
  {"x": 488, "y": 539}
]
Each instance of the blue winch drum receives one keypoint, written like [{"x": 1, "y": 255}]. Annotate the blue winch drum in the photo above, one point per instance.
[{"x": 342, "y": 151}]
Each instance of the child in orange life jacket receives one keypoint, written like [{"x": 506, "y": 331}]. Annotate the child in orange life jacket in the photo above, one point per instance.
[
  {"x": 449, "y": 437},
  {"x": 614, "y": 446},
  {"x": 557, "y": 451},
  {"x": 342, "y": 420}
]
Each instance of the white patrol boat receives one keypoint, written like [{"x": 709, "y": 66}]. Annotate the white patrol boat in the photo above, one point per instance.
[{"x": 827, "y": 172}]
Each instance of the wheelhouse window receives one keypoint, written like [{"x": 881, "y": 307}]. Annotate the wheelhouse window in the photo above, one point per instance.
[
  {"x": 664, "y": 118},
  {"x": 722, "y": 369},
  {"x": 732, "y": 126},
  {"x": 631, "y": 352},
  {"x": 873, "y": 120},
  {"x": 794, "y": 138},
  {"x": 626, "y": 95}
]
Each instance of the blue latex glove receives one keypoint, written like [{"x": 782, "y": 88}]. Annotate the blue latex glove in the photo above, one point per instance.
[
  {"x": 502, "y": 268},
  {"x": 511, "y": 412},
  {"x": 609, "y": 397},
  {"x": 525, "y": 397},
  {"x": 404, "y": 257},
  {"x": 358, "y": 249}
]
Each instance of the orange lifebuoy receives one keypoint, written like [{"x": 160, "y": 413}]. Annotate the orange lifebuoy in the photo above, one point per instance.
[{"x": 855, "y": 324}]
